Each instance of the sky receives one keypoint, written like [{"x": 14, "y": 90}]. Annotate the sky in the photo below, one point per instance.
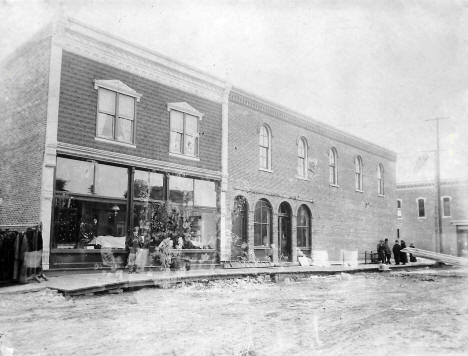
[{"x": 375, "y": 69}]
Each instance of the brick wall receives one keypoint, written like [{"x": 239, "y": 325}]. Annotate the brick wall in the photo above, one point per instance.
[
  {"x": 78, "y": 105},
  {"x": 23, "y": 113},
  {"x": 421, "y": 231},
  {"x": 341, "y": 217}
]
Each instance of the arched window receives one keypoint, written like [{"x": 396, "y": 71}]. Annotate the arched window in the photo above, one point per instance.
[
  {"x": 262, "y": 223},
  {"x": 446, "y": 207},
  {"x": 380, "y": 179},
  {"x": 332, "y": 166},
  {"x": 265, "y": 148},
  {"x": 302, "y": 158},
  {"x": 303, "y": 227},
  {"x": 399, "y": 202},
  {"x": 358, "y": 173},
  {"x": 421, "y": 207}
]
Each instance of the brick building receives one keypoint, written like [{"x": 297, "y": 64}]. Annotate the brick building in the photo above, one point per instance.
[
  {"x": 96, "y": 129},
  {"x": 304, "y": 184},
  {"x": 417, "y": 215}
]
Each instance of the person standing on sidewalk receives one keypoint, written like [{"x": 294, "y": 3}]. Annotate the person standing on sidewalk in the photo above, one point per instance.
[
  {"x": 403, "y": 255},
  {"x": 381, "y": 251},
  {"x": 388, "y": 252},
  {"x": 396, "y": 252}
]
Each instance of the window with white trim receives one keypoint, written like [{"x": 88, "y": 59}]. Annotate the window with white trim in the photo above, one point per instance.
[
  {"x": 399, "y": 202},
  {"x": 446, "y": 207},
  {"x": 421, "y": 207},
  {"x": 264, "y": 142},
  {"x": 184, "y": 128},
  {"x": 358, "y": 173},
  {"x": 332, "y": 166},
  {"x": 302, "y": 158},
  {"x": 380, "y": 179},
  {"x": 116, "y": 112}
]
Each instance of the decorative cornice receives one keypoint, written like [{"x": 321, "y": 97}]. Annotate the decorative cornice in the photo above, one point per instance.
[
  {"x": 118, "y": 86},
  {"x": 92, "y": 43},
  {"x": 184, "y": 107},
  {"x": 121, "y": 158},
  {"x": 430, "y": 184},
  {"x": 282, "y": 113}
]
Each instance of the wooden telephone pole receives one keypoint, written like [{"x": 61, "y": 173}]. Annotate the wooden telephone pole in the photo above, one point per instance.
[{"x": 438, "y": 209}]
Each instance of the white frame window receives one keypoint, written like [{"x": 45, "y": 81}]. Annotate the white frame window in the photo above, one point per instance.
[
  {"x": 399, "y": 205},
  {"x": 116, "y": 112},
  {"x": 264, "y": 148},
  {"x": 446, "y": 209},
  {"x": 302, "y": 149},
  {"x": 333, "y": 166},
  {"x": 184, "y": 127},
  {"x": 358, "y": 173},
  {"x": 380, "y": 180},
  {"x": 421, "y": 207}
]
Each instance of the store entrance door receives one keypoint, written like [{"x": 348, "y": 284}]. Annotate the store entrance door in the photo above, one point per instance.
[
  {"x": 462, "y": 241},
  {"x": 284, "y": 232}
]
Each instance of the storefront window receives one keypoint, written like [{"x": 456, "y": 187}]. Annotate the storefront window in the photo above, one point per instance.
[
  {"x": 111, "y": 181},
  {"x": 205, "y": 193},
  {"x": 74, "y": 176},
  {"x": 87, "y": 214},
  {"x": 181, "y": 190},
  {"x": 148, "y": 187},
  {"x": 91, "y": 200}
]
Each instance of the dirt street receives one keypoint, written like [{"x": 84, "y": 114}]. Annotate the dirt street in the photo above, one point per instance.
[{"x": 398, "y": 313}]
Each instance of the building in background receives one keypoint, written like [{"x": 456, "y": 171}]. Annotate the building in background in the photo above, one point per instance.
[{"x": 417, "y": 216}]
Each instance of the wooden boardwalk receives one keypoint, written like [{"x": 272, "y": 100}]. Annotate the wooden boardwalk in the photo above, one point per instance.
[
  {"x": 76, "y": 284},
  {"x": 90, "y": 283}
]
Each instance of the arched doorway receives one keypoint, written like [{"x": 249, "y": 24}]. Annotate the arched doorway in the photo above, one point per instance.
[
  {"x": 263, "y": 237},
  {"x": 239, "y": 229},
  {"x": 304, "y": 229},
  {"x": 284, "y": 232}
]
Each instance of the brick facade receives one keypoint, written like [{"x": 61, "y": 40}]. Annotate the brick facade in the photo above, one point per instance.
[
  {"x": 23, "y": 103},
  {"x": 78, "y": 105},
  {"x": 342, "y": 218},
  {"x": 422, "y": 230}
]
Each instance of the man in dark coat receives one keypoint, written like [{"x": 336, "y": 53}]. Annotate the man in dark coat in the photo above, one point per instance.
[
  {"x": 388, "y": 252},
  {"x": 403, "y": 255},
  {"x": 396, "y": 252},
  {"x": 381, "y": 251}
]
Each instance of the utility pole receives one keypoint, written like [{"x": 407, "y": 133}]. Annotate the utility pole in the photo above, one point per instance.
[{"x": 438, "y": 210}]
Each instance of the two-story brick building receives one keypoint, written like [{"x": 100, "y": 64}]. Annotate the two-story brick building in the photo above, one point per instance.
[
  {"x": 297, "y": 183},
  {"x": 96, "y": 129},
  {"x": 417, "y": 220}
]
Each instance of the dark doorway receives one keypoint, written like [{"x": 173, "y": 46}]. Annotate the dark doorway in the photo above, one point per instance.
[
  {"x": 239, "y": 226},
  {"x": 462, "y": 241},
  {"x": 284, "y": 232}
]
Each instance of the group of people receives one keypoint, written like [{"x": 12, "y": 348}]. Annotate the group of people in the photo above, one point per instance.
[{"x": 384, "y": 252}]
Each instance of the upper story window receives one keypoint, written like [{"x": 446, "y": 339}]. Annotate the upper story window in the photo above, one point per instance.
[
  {"x": 398, "y": 204},
  {"x": 302, "y": 158},
  {"x": 380, "y": 179},
  {"x": 446, "y": 211},
  {"x": 184, "y": 127},
  {"x": 264, "y": 142},
  {"x": 421, "y": 207},
  {"x": 333, "y": 166},
  {"x": 358, "y": 173},
  {"x": 116, "y": 114}
]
